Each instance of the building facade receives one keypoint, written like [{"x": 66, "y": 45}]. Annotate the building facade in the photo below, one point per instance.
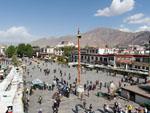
[{"x": 137, "y": 62}]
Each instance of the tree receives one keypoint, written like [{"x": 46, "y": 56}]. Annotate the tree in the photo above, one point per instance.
[
  {"x": 29, "y": 50},
  {"x": 67, "y": 50},
  {"x": 15, "y": 61},
  {"x": 10, "y": 51},
  {"x": 62, "y": 59},
  {"x": 21, "y": 50}
]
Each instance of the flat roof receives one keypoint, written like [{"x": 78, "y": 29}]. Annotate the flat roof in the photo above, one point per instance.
[{"x": 137, "y": 90}]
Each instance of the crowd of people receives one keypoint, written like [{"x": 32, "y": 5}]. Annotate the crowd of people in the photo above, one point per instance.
[{"x": 65, "y": 87}]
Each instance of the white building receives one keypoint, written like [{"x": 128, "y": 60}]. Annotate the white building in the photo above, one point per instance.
[
  {"x": 105, "y": 51},
  {"x": 2, "y": 50},
  {"x": 48, "y": 50},
  {"x": 58, "y": 51},
  {"x": 65, "y": 43}
]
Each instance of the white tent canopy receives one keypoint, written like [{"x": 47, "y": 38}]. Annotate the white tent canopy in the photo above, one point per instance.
[{"x": 37, "y": 81}]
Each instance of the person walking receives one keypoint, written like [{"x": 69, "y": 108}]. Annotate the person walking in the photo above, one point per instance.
[
  {"x": 145, "y": 110},
  {"x": 100, "y": 85},
  {"x": 55, "y": 107},
  {"x": 40, "y": 111},
  {"x": 90, "y": 108},
  {"x": 40, "y": 100},
  {"x": 84, "y": 104}
]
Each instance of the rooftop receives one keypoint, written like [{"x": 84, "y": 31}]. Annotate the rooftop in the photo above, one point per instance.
[{"x": 137, "y": 90}]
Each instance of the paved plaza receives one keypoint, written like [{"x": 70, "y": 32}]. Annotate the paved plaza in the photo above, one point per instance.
[{"x": 71, "y": 104}]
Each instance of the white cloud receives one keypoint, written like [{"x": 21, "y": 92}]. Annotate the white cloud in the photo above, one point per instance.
[
  {"x": 124, "y": 29},
  {"x": 138, "y": 19},
  {"x": 117, "y": 7},
  {"x": 140, "y": 28},
  {"x": 15, "y": 35},
  {"x": 143, "y": 28}
]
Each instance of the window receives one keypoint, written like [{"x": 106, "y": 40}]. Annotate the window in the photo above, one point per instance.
[
  {"x": 93, "y": 51},
  {"x": 139, "y": 67},
  {"x": 75, "y": 57},
  {"x": 146, "y": 60},
  {"x": 97, "y": 51},
  {"x": 100, "y": 58},
  {"x": 81, "y": 57},
  {"x": 85, "y": 57},
  {"x": 143, "y": 67},
  {"x": 105, "y": 59},
  {"x": 96, "y": 58},
  {"x": 137, "y": 59}
]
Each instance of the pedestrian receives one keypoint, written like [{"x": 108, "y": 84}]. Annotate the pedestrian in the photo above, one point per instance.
[
  {"x": 145, "y": 110},
  {"x": 100, "y": 85},
  {"x": 58, "y": 101},
  {"x": 40, "y": 111},
  {"x": 55, "y": 107},
  {"x": 84, "y": 104},
  {"x": 9, "y": 110},
  {"x": 69, "y": 77},
  {"x": 88, "y": 92},
  {"x": 84, "y": 86},
  {"x": 106, "y": 108},
  {"x": 81, "y": 97},
  {"x": 40, "y": 100},
  {"x": 76, "y": 109},
  {"x": 90, "y": 108}
]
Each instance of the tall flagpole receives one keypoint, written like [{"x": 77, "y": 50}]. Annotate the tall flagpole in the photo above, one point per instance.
[{"x": 79, "y": 65}]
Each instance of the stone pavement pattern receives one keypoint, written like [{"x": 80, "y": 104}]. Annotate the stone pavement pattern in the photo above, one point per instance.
[{"x": 68, "y": 104}]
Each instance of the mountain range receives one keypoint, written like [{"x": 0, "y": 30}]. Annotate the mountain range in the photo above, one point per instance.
[{"x": 99, "y": 37}]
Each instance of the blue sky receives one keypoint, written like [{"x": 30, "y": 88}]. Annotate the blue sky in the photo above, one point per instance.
[{"x": 39, "y": 18}]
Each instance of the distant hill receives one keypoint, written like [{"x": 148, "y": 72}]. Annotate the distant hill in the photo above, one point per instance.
[{"x": 99, "y": 38}]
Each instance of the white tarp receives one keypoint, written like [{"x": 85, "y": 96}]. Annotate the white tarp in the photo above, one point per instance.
[
  {"x": 4, "y": 84},
  {"x": 3, "y": 108},
  {"x": 12, "y": 97}
]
